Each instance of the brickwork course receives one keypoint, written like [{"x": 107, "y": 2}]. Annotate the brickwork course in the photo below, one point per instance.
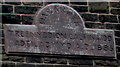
[{"x": 97, "y": 15}]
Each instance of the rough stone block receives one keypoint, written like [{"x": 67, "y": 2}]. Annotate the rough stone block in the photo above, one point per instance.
[
  {"x": 24, "y": 65},
  {"x": 16, "y": 58},
  {"x": 1, "y": 26},
  {"x": 108, "y": 18},
  {"x": 1, "y": 33},
  {"x": 55, "y": 60},
  {"x": 115, "y": 4},
  {"x": 117, "y": 26},
  {"x": 117, "y": 33},
  {"x": 112, "y": 26},
  {"x": 117, "y": 41},
  {"x": 46, "y": 2},
  {"x": 80, "y": 62},
  {"x": 67, "y": 66},
  {"x": 90, "y": 17},
  {"x": 27, "y": 19},
  {"x": 11, "y": 19},
  {"x": 118, "y": 49},
  {"x": 34, "y": 60},
  {"x": 1, "y": 40},
  {"x": 5, "y": 57},
  {"x": 39, "y": 3},
  {"x": 80, "y": 8},
  {"x": 44, "y": 65},
  {"x": 115, "y": 11},
  {"x": 99, "y": 7},
  {"x": 95, "y": 25},
  {"x": 118, "y": 56},
  {"x": 7, "y": 64},
  {"x": 7, "y": 8},
  {"x": 13, "y": 2},
  {"x": 26, "y": 9},
  {"x": 78, "y": 3},
  {"x": 119, "y": 19},
  {"x": 106, "y": 63}
]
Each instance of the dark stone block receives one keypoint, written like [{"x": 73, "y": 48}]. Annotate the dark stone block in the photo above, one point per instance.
[
  {"x": 1, "y": 25},
  {"x": 1, "y": 33},
  {"x": 119, "y": 18},
  {"x": 16, "y": 58},
  {"x": 1, "y": 40},
  {"x": 99, "y": 7},
  {"x": 27, "y": 19},
  {"x": 47, "y": 65},
  {"x": 0, "y": 20},
  {"x": 46, "y": 2},
  {"x": 44, "y": 65},
  {"x": 7, "y": 8},
  {"x": 117, "y": 26},
  {"x": 106, "y": 63},
  {"x": 115, "y": 11},
  {"x": 108, "y": 18},
  {"x": 117, "y": 33},
  {"x": 65, "y": 66},
  {"x": 1, "y": 48},
  {"x": 88, "y": 66},
  {"x": 99, "y": 26},
  {"x": 109, "y": 26},
  {"x": 78, "y": 3},
  {"x": 80, "y": 62},
  {"x": 117, "y": 41},
  {"x": 0, "y": 8},
  {"x": 113, "y": 26},
  {"x": 34, "y": 3},
  {"x": 115, "y": 4},
  {"x": 11, "y": 19},
  {"x": 80, "y": 8},
  {"x": 5, "y": 64},
  {"x": 13, "y": 2},
  {"x": 34, "y": 60},
  {"x": 26, "y": 9},
  {"x": 0, "y": 64},
  {"x": 5, "y": 57},
  {"x": 24, "y": 65},
  {"x": 55, "y": 60},
  {"x": 95, "y": 25},
  {"x": 90, "y": 17},
  {"x": 118, "y": 55},
  {"x": 118, "y": 49},
  {"x": 89, "y": 25}
]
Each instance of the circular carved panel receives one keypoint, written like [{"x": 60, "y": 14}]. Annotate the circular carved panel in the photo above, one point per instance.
[{"x": 59, "y": 16}]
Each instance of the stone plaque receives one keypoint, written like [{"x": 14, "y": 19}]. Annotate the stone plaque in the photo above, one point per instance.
[{"x": 59, "y": 29}]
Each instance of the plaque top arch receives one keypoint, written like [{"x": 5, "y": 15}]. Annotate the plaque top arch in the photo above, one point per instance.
[{"x": 59, "y": 16}]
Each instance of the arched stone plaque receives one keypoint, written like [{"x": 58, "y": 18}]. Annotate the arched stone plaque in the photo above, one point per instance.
[
  {"x": 59, "y": 29},
  {"x": 59, "y": 16}
]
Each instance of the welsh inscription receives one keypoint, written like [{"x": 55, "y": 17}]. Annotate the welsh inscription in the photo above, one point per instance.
[
  {"x": 28, "y": 39},
  {"x": 59, "y": 29}
]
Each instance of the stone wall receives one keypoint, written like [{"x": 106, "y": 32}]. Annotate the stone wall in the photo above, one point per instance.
[{"x": 97, "y": 15}]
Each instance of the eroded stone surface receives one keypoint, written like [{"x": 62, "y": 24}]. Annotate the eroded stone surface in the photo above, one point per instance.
[{"x": 59, "y": 29}]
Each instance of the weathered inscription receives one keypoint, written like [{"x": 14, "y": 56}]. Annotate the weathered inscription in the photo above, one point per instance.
[
  {"x": 59, "y": 29},
  {"x": 28, "y": 39}
]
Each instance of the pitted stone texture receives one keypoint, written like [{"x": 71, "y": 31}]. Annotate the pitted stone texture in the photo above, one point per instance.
[{"x": 59, "y": 16}]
